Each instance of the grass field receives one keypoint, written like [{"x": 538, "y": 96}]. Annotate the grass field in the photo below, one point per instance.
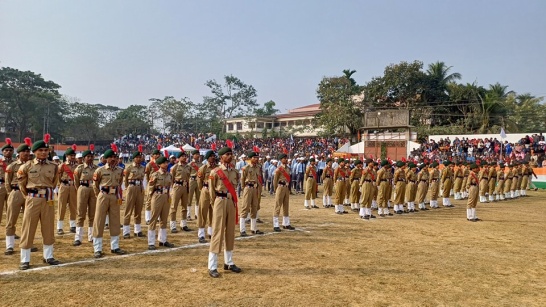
[{"x": 429, "y": 258}]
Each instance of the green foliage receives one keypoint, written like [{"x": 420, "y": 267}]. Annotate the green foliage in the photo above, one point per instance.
[{"x": 267, "y": 110}]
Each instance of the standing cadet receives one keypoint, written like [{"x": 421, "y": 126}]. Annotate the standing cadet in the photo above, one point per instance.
[
  {"x": 389, "y": 177},
  {"x": 150, "y": 168},
  {"x": 67, "y": 191},
  {"x": 508, "y": 177},
  {"x": 519, "y": 175},
  {"x": 447, "y": 183},
  {"x": 222, "y": 183},
  {"x": 107, "y": 181},
  {"x": 423, "y": 179},
  {"x": 339, "y": 179},
  {"x": 179, "y": 193},
  {"x": 281, "y": 182},
  {"x": 159, "y": 187},
  {"x": 466, "y": 173},
  {"x": 458, "y": 183},
  {"x": 346, "y": 201},
  {"x": 434, "y": 185},
  {"x": 400, "y": 187},
  {"x": 204, "y": 217},
  {"x": 499, "y": 189},
  {"x": 327, "y": 184},
  {"x": 249, "y": 182},
  {"x": 367, "y": 187},
  {"x": 195, "y": 164},
  {"x": 133, "y": 176},
  {"x": 16, "y": 201},
  {"x": 483, "y": 178},
  {"x": 382, "y": 182},
  {"x": 411, "y": 186},
  {"x": 7, "y": 152},
  {"x": 85, "y": 196},
  {"x": 310, "y": 185},
  {"x": 354, "y": 178},
  {"x": 492, "y": 180},
  {"x": 36, "y": 181},
  {"x": 472, "y": 186}
]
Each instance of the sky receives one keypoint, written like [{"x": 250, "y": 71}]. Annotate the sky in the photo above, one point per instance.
[{"x": 125, "y": 52}]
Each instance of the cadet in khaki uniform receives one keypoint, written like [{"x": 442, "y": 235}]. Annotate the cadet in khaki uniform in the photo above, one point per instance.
[
  {"x": 85, "y": 196},
  {"x": 483, "y": 177},
  {"x": 67, "y": 191},
  {"x": 179, "y": 193},
  {"x": 159, "y": 186},
  {"x": 525, "y": 173},
  {"x": 423, "y": 181},
  {"x": 447, "y": 183},
  {"x": 107, "y": 181},
  {"x": 354, "y": 179},
  {"x": 514, "y": 193},
  {"x": 16, "y": 201},
  {"x": 339, "y": 179},
  {"x": 472, "y": 186},
  {"x": 133, "y": 179},
  {"x": 367, "y": 187},
  {"x": 458, "y": 183},
  {"x": 389, "y": 176},
  {"x": 327, "y": 184},
  {"x": 466, "y": 173},
  {"x": 434, "y": 185},
  {"x": 310, "y": 185},
  {"x": 411, "y": 186},
  {"x": 204, "y": 217},
  {"x": 382, "y": 182},
  {"x": 400, "y": 187},
  {"x": 36, "y": 181},
  {"x": 249, "y": 182},
  {"x": 222, "y": 184},
  {"x": 150, "y": 168},
  {"x": 492, "y": 180},
  {"x": 194, "y": 190},
  {"x": 499, "y": 189},
  {"x": 7, "y": 152},
  {"x": 281, "y": 181},
  {"x": 518, "y": 175},
  {"x": 508, "y": 176}
]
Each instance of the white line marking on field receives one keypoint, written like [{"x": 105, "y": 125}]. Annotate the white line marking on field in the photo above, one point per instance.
[{"x": 148, "y": 252}]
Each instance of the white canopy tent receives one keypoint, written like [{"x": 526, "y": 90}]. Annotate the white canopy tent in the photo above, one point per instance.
[
  {"x": 346, "y": 148},
  {"x": 357, "y": 148},
  {"x": 188, "y": 147},
  {"x": 171, "y": 149}
]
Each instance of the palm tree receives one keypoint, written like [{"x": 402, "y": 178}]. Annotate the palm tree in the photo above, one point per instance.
[{"x": 439, "y": 71}]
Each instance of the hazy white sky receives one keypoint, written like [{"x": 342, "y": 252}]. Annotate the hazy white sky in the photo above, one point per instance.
[{"x": 125, "y": 52}]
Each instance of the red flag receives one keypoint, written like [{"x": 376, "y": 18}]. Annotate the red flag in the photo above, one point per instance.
[
  {"x": 213, "y": 146},
  {"x": 229, "y": 143},
  {"x": 197, "y": 147},
  {"x": 256, "y": 148},
  {"x": 285, "y": 151}
]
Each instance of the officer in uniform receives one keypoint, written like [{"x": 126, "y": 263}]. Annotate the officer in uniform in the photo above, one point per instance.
[
  {"x": 508, "y": 176},
  {"x": 400, "y": 187},
  {"x": 519, "y": 172},
  {"x": 36, "y": 180},
  {"x": 327, "y": 184},
  {"x": 159, "y": 186},
  {"x": 411, "y": 186},
  {"x": 339, "y": 194},
  {"x": 310, "y": 185},
  {"x": 492, "y": 181},
  {"x": 447, "y": 183},
  {"x": 195, "y": 164},
  {"x": 499, "y": 189},
  {"x": 7, "y": 152},
  {"x": 367, "y": 187},
  {"x": 423, "y": 181},
  {"x": 346, "y": 201},
  {"x": 472, "y": 186},
  {"x": 222, "y": 183},
  {"x": 382, "y": 182},
  {"x": 179, "y": 193},
  {"x": 85, "y": 196},
  {"x": 434, "y": 185},
  {"x": 16, "y": 201},
  {"x": 458, "y": 182},
  {"x": 354, "y": 178},
  {"x": 133, "y": 179},
  {"x": 67, "y": 191},
  {"x": 150, "y": 168},
  {"x": 483, "y": 178},
  {"x": 204, "y": 217},
  {"x": 281, "y": 182},
  {"x": 249, "y": 182},
  {"x": 107, "y": 181}
]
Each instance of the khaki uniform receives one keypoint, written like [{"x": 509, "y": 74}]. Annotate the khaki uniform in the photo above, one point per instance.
[
  {"x": 447, "y": 181},
  {"x": 310, "y": 184},
  {"x": 458, "y": 183},
  {"x": 383, "y": 182},
  {"x": 508, "y": 177},
  {"x": 107, "y": 187},
  {"x": 159, "y": 187},
  {"x": 133, "y": 179},
  {"x": 483, "y": 177},
  {"x": 328, "y": 181},
  {"x": 466, "y": 173},
  {"x": 423, "y": 179},
  {"x": 400, "y": 188},
  {"x": 36, "y": 180},
  {"x": 389, "y": 193},
  {"x": 179, "y": 193},
  {"x": 367, "y": 186},
  {"x": 204, "y": 217},
  {"x": 281, "y": 181},
  {"x": 67, "y": 194},
  {"x": 15, "y": 202},
  {"x": 434, "y": 186},
  {"x": 411, "y": 186},
  {"x": 520, "y": 179},
  {"x": 339, "y": 194},
  {"x": 224, "y": 209},
  {"x": 194, "y": 188},
  {"x": 249, "y": 201},
  {"x": 3, "y": 192},
  {"x": 472, "y": 186},
  {"x": 492, "y": 182},
  {"x": 499, "y": 189},
  {"x": 85, "y": 198},
  {"x": 347, "y": 184},
  {"x": 148, "y": 170},
  {"x": 354, "y": 178}
]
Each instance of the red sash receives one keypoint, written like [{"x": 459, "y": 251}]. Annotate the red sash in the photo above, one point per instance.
[
  {"x": 331, "y": 172},
  {"x": 474, "y": 176},
  {"x": 4, "y": 165},
  {"x": 342, "y": 173},
  {"x": 260, "y": 180},
  {"x": 231, "y": 191},
  {"x": 194, "y": 166},
  {"x": 285, "y": 174},
  {"x": 314, "y": 173},
  {"x": 67, "y": 170},
  {"x": 154, "y": 166}
]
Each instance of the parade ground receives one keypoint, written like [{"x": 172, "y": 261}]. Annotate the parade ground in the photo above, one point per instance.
[{"x": 429, "y": 258}]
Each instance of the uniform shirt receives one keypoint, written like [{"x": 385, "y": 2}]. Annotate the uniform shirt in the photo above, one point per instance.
[
  {"x": 250, "y": 174},
  {"x": 328, "y": 172},
  {"x": 381, "y": 176},
  {"x": 150, "y": 168},
  {"x": 492, "y": 173},
  {"x": 424, "y": 176},
  {"x": 399, "y": 175},
  {"x": 368, "y": 174},
  {"x": 310, "y": 171},
  {"x": 181, "y": 172},
  {"x": 203, "y": 175},
  {"x": 356, "y": 173},
  {"x": 434, "y": 174},
  {"x": 472, "y": 180},
  {"x": 133, "y": 172},
  {"x": 194, "y": 168},
  {"x": 217, "y": 185},
  {"x": 64, "y": 171},
  {"x": 84, "y": 172},
  {"x": 483, "y": 174},
  {"x": 107, "y": 176},
  {"x": 160, "y": 180},
  {"x": 509, "y": 174},
  {"x": 11, "y": 170},
  {"x": 279, "y": 175},
  {"x": 411, "y": 176},
  {"x": 3, "y": 166},
  {"x": 339, "y": 173},
  {"x": 500, "y": 175},
  {"x": 37, "y": 174}
]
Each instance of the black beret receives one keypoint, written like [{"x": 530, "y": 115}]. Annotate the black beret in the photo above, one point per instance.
[
  {"x": 23, "y": 147},
  {"x": 224, "y": 150},
  {"x": 209, "y": 154},
  {"x": 69, "y": 152},
  {"x": 39, "y": 144},
  {"x": 312, "y": 160},
  {"x": 160, "y": 160},
  {"x": 384, "y": 162},
  {"x": 252, "y": 154},
  {"x": 109, "y": 153},
  {"x": 282, "y": 156},
  {"x": 86, "y": 153},
  {"x": 358, "y": 162},
  {"x": 473, "y": 166},
  {"x": 195, "y": 152},
  {"x": 136, "y": 154},
  {"x": 181, "y": 154},
  {"x": 156, "y": 152}
]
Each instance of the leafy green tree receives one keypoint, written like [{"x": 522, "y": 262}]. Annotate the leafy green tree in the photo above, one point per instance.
[
  {"x": 267, "y": 110},
  {"x": 82, "y": 120},
  {"x": 175, "y": 114},
  {"x": 134, "y": 119}
]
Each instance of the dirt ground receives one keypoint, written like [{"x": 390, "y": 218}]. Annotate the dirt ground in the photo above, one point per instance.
[{"x": 429, "y": 258}]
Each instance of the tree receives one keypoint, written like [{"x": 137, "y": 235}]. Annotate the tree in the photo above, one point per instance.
[
  {"x": 26, "y": 99},
  {"x": 527, "y": 113},
  {"x": 234, "y": 98},
  {"x": 134, "y": 119},
  {"x": 82, "y": 120},
  {"x": 340, "y": 104},
  {"x": 267, "y": 110},
  {"x": 175, "y": 114},
  {"x": 439, "y": 72}
]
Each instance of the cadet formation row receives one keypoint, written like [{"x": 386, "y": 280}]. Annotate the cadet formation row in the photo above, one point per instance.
[{"x": 95, "y": 193}]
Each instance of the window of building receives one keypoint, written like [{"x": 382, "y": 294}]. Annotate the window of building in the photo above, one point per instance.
[
  {"x": 239, "y": 126},
  {"x": 298, "y": 123},
  {"x": 284, "y": 124},
  {"x": 276, "y": 124},
  {"x": 251, "y": 125},
  {"x": 260, "y": 125},
  {"x": 230, "y": 126},
  {"x": 269, "y": 125}
]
